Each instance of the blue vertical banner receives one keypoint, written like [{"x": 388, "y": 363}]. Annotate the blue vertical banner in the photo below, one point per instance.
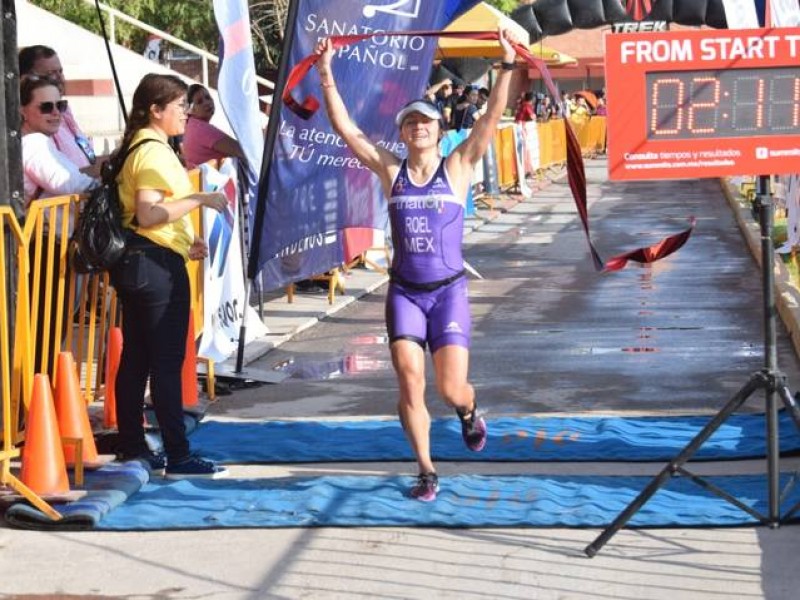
[
  {"x": 315, "y": 187},
  {"x": 237, "y": 88}
]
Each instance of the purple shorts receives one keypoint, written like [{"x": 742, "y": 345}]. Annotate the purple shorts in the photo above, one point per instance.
[{"x": 438, "y": 318}]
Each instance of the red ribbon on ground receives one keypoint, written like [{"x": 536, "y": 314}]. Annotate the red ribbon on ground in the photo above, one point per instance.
[{"x": 576, "y": 174}]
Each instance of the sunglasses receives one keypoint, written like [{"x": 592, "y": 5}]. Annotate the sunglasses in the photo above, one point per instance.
[{"x": 46, "y": 108}]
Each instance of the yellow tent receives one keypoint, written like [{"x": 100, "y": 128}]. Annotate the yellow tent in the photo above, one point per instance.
[{"x": 484, "y": 17}]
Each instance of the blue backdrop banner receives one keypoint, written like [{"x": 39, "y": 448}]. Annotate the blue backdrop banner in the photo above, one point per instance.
[{"x": 316, "y": 188}]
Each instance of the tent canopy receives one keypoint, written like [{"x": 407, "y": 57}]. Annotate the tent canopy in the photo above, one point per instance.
[{"x": 484, "y": 17}]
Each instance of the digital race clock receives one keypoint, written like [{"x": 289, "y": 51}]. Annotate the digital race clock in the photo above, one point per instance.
[{"x": 703, "y": 103}]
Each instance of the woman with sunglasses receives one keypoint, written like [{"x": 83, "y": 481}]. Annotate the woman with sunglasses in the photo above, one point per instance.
[
  {"x": 47, "y": 171},
  {"x": 426, "y": 303}
]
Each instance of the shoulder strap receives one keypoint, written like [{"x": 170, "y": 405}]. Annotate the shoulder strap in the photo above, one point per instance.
[
  {"x": 128, "y": 151},
  {"x": 115, "y": 168}
]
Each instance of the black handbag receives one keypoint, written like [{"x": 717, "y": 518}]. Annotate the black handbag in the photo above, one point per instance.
[{"x": 99, "y": 238}]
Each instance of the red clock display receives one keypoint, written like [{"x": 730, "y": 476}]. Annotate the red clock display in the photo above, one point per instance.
[
  {"x": 703, "y": 103},
  {"x": 731, "y": 103}
]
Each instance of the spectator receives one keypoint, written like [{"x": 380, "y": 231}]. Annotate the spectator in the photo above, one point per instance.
[
  {"x": 47, "y": 171},
  {"x": 525, "y": 110},
  {"x": 449, "y": 108},
  {"x": 602, "y": 109},
  {"x": 566, "y": 105},
  {"x": 483, "y": 97},
  {"x": 544, "y": 107},
  {"x": 442, "y": 92},
  {"x": 202, "y": 141},
  {"x": 466, "y": 112},
  {"x": 434, "y": 90},
  {"x": 580, "y": 113},
  {"x": 69, "y": 139},
  {"x": 151, "y": 279}
]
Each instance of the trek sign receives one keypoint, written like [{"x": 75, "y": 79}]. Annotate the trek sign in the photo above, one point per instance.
[
  {"x": 638, "y": 10},
  {"x": 704, "y": 103}
]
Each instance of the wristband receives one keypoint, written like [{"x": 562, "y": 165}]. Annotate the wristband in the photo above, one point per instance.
[
  {"x": 327, "y": 85},
  {"x": 507, "y": 66}
]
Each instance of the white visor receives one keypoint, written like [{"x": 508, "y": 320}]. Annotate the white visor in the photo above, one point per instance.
[{"x": 419, "y": 106}]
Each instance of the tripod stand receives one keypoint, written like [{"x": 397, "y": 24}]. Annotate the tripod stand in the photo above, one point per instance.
[{"x": 770, "y": 379}]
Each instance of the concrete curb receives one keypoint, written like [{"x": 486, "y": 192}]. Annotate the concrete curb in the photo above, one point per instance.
[{"x": 787, "y": 295}]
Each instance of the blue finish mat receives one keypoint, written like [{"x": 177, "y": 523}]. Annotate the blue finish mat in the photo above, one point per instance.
[
  {"x": 510, "y": 439},
  {"x": 107, "y": 488},
  {"x": 464, "y": 501}
]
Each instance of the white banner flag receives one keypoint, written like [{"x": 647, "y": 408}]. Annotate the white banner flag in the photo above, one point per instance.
[
  {"x": 532, "y": 156},
  {"x": 740, "y": 14},
  {"x": 223, "y": 283},
  {"x": 520, "y": 158},
  {"x": 785, "y": 13}
]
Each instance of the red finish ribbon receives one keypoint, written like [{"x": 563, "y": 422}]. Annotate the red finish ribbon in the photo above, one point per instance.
[{"x": 576, "y": 174}]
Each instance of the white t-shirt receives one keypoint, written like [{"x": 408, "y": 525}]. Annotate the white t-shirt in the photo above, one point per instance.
[{"x": 48, "y": 171}]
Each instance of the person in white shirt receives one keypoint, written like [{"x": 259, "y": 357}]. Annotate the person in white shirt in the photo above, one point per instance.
[
  {"x": 43, "y": 61},
  {"x": 47, "y": 171}
]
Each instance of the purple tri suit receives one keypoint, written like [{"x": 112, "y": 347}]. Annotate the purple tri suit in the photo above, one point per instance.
[{"x": 427, "y": 298}]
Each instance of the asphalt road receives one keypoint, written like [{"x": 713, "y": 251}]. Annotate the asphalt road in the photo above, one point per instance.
[
  {"x": 550, "y": 333},
  {"x": 550, "y": 336}
]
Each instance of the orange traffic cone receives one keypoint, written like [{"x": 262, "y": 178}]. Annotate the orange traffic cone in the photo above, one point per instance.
[
  {"x": 189, "y": 371},
  {"x": 113, "y": 356},
  {"x": 43, "y": 468},
  {"x": 73, "y": 418}
]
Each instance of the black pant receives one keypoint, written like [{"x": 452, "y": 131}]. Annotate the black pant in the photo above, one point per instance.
[{"x": 153, "y": 286}]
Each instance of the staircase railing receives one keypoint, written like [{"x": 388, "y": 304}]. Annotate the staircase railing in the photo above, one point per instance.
[{"x": 204, "y": 55}]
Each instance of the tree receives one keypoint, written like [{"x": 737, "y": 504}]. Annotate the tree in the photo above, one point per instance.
[
  {"x": 505, "y": 6},
  {"x": 268, "y": 22},
  {"x": 193, "y": 21},
  {"x": 188, "y": 20}
]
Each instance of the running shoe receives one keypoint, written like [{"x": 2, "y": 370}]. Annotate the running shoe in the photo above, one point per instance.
[
  {"x": 426, "y": 487},
  {"x": 195, "y": 467},
  {"x": 154, "y": 462},
  {"x": 473, "y": 429}
]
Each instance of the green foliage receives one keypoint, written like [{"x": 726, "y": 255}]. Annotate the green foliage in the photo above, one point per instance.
[
  {"x": 193, "y": 22},
  {"x": 505, "y": 6},
  {"x": 188, "y": 20},
  {"x": 76, "y": 11}
]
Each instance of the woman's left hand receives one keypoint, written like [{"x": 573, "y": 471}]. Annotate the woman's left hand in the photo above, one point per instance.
[
  {"x": 198, "y": 250},
  {"x": 506, "y": 39}
]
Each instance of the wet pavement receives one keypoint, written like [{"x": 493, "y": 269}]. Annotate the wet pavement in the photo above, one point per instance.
[{"x": 550, "y": 333}]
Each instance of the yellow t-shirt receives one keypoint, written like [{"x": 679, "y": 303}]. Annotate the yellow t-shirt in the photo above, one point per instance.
[{"x": 154, "y": 166}]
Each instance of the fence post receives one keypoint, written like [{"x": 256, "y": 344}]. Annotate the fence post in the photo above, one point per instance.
[{"x": 491, "y": 185}]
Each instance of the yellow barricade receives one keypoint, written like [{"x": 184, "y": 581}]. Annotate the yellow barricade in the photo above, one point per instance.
[
  {"x": 15, "y": 362},
  {"x": 68, "y": 312},
  {"x": 597, "y": 134},
  {"x": 591, "y": 134},
  {"x": 195, "y": 267},
  {"x": 16, "y": 358},
  {"x": 559, "y": 142},
  {"x": 506, "y": 162}
]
